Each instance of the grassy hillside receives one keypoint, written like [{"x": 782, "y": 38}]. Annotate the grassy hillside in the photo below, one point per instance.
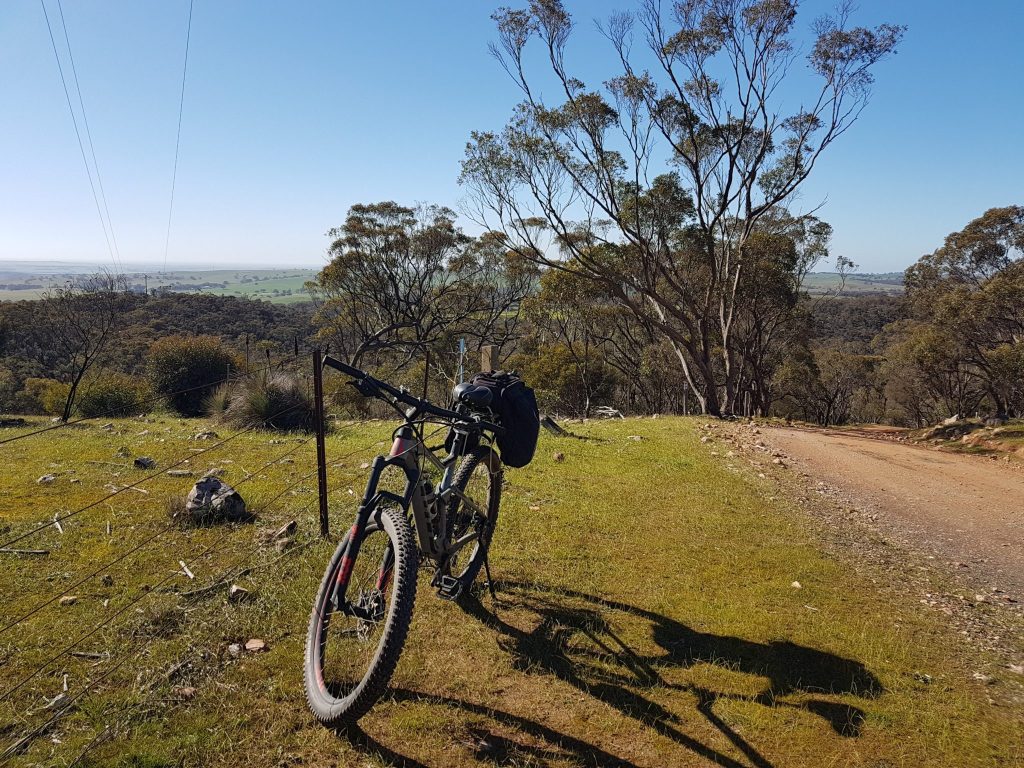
[{"x": 646, "y": 616}]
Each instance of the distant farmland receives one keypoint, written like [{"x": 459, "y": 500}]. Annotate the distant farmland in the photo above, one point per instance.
[
  {"x": 279, "y": 286},
  {"x": 285, "y": 286}
]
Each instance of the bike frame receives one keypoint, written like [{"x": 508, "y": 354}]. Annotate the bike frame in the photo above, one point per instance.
[{"x": 429, "y": 508}]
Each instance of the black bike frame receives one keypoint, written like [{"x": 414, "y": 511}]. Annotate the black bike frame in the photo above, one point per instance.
[{"x": 429, "y": 510}]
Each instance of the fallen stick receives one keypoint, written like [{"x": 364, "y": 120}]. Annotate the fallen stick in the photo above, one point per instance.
[{"x": 9, "y": 551}]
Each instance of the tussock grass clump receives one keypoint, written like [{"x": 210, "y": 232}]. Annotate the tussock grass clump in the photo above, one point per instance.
[{"x": 273, "y": 401}]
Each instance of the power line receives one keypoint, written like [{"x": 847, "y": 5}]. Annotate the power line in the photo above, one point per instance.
[
  {"x": 177, "y": 141},
  {"x": 88, "y": 136},
  {"x": 81, "y": 146}
]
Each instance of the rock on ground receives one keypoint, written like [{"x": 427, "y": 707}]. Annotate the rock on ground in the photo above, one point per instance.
[{"x": 211, "y": 500}]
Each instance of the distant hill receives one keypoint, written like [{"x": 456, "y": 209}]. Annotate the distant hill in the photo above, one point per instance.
[
  {"x": 18, "y": 280},
  {"x": 856, "y": 284}
]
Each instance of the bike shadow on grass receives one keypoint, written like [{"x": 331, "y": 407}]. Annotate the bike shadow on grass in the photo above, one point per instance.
[
  {"x": 575, "y": 638},
  {"x": 539, "y": 745}
]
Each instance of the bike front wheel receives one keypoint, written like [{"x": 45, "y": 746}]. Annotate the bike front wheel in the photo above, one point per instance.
[{"x": 352, "y": 649}]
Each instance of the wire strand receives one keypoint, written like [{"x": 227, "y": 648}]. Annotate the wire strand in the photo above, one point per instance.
[
  {"x": 177, "y": 141},
  {"x": 161, "y": 532},
  {"x": 74, "y": 120},
  {"x": 149, "y": 401},
  {"x": 88, "y": 136},
  {"x": 146, "y": 479}
]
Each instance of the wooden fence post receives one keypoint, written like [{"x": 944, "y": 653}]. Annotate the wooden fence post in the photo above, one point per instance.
[{"x": 488, "y": 358}]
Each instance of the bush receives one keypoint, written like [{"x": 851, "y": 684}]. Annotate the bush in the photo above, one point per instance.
[
  {"x": 187, "y": 369},
  {"x": 113, "y": 394},
  {"x": 217, "y": 402},
  {"x": 42, "y": 396},
  {"x": 272, "y": 400},
  {"x": 8, "y": 391}
]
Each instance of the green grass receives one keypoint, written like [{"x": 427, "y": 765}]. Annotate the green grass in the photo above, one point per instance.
[{"x": 645, "y": 617}]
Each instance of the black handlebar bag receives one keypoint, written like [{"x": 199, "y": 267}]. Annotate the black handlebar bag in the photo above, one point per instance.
[{"x": 516, "y": 408}]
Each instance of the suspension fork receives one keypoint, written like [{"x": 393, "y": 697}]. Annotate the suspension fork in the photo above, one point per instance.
[{"x": 371, "y": 501}]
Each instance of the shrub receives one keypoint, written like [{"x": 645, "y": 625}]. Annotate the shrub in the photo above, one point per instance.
[
  {"x": 272, "y": 400},
  {"x": 187, "y": 369},
  {"x": 8, "y": 391},
  {"x": 113, "y": 394},
  {"x": 217, "y": 402},
  {"x": 42, "y": 396}
]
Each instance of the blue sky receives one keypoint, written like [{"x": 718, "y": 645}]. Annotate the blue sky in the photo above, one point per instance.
[{"x": 294, "y": 111}]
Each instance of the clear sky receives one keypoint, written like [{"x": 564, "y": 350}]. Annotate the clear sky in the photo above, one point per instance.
[{"x": 296, "y": 110}]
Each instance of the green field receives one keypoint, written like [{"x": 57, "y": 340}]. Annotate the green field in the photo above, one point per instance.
[
  {"x": 285, "y": 286},
  {"x": 279, "y": 286},
  {"x": 832, "y": 282},
  {"x": 645, "y": 617}
]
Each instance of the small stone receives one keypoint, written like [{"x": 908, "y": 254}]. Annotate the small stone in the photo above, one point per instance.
[
  {"x": 981, "y": 678},
  {"x": 796, "y": 585},
  {"x": 559, "y": 457},
  {"x": 109, "y": 426},
  {"x": 364, "y": 465},
  {"x": 75, "y": 480},
  {"x": 636, "y": 438},
  {"x": 534, "y": 508},
  {"x": 1016, "y": 668},
  {"x": 123, "y": 453},
  {"x": 179, "y": 473},
  {"x": 207, "y": 435},
  {"x": 235, "y": 650},
  {"x": 778, "y": 462},
  {"x": 214, "y": 472},
  {"x": 144, "y": 462},
  {"x": 255, "y": 645},
  {"x": 107, "y": 580},
  {"x": 46, "y": 479},
  {"x": 184, "y": 692},
  {"x": 237, "y": 594},
  {"x": 922, "y": 678},
  {"x": 69, "y": 600},
  {"x": 705, "y": 439}
]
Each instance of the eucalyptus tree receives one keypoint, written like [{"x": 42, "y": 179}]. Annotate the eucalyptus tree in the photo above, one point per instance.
[
  {"x": 404, "y": 281},
  {"x": 653, "y": 183}
]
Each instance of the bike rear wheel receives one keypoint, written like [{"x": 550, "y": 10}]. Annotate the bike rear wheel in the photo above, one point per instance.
[
  {"x": 479, "y": 478},
  {"x": 352, "y": 650}
]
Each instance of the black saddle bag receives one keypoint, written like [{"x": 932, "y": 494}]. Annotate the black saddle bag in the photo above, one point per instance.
[{"x": 516, "y": 408}]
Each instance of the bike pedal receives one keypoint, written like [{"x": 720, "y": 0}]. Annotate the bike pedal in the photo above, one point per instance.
[{"x": 449, "y": 588}]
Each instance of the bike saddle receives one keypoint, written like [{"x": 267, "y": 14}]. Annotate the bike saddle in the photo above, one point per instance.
[{"x": 473, "y": 395}]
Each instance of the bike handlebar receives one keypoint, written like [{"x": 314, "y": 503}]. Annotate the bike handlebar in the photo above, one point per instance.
[{"x": 401, "y": 396}]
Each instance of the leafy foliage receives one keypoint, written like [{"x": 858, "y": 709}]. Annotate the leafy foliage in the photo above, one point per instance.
[{"x": 187, "y": 369}]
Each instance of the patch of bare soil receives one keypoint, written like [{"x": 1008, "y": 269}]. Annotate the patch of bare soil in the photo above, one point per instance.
[{"x": 944, "y": 528}]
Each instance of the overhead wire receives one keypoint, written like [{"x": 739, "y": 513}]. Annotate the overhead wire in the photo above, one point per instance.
[
  {"x": 78, "y": 134},
  {"x": 177, "y": 141},
  {"x": 88, "y": 136}
]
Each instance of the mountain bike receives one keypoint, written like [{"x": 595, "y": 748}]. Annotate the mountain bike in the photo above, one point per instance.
[{"x": 364, "y": 606}]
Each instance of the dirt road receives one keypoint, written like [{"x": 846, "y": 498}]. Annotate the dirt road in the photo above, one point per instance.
[{"x": 966, "y": 510}]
